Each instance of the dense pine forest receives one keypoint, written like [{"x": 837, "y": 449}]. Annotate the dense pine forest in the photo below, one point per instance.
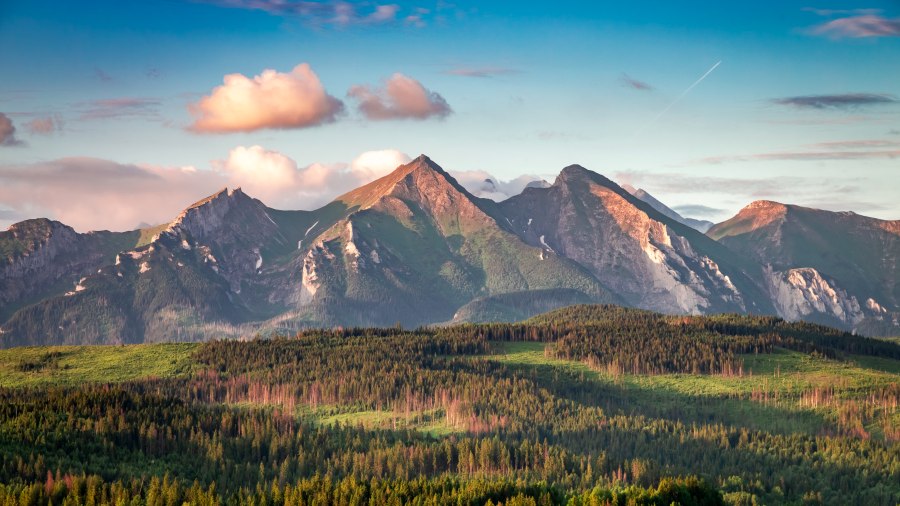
[{"x": 587, "y": 405}]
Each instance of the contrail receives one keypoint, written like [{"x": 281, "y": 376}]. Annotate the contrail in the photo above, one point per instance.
[{"x": 684, "y": 93}]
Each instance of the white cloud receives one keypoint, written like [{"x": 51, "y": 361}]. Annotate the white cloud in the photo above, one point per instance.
[
  {"x": 371, "y": 165},
  {"x": 278, "y": 181},
  {"x": 296, "y": 99},
  {"x": 482, "y": 184}
]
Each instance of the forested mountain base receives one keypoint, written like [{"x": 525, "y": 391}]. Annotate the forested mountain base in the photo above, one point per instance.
[{"x": 586, "y": 405}]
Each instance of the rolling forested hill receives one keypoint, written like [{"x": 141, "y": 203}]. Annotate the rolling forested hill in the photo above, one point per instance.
[{"x": 584, "y": 405}]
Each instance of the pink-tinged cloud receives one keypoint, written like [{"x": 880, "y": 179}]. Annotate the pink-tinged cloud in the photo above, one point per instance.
[
  {"x": 90, "y": 193},
  {"x": 400, "y": 97},
  {"x": 296, "y": 99},
  {"x": 45, "y": 126},
  {"x": 858, "y": 144},
  {"x": 630, "y": 82},
  {"x": 280, "y": 182},
  {"x": 861, "y": 26},
  {"x": 804, "y": 156},
  {"x": 8, "y": 132},
  {"x": 95, "y": 194}
]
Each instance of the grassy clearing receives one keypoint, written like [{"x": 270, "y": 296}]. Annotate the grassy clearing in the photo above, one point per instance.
[
  {"x": 773, "y": 394},
  {"x": 73, "y": 365},
  {"x": 431, "y": 421}
]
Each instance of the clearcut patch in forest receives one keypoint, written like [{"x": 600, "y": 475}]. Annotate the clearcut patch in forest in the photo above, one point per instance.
[
  {"x": 784, "y": 391},
  {"x": 74, "y": 365}
]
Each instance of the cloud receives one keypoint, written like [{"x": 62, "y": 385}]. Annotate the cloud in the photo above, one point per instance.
[
  {"x": 804, "y": 156},
  {"x": 102, "y": 76},
  {"x": 863, "y": 25},
  {"x": 123, "y": 107},
  {"x": 91, "y": 193},
  {"x": 858, "y": 144},
  {"x": 295, "y": 99},
  {"x": 321, "y": 13},
  {"x": 372, "y": 165},
  {"x": 9, "y": 215},
  {"x": 401, "y": 97},
  {"x": 482, "y": 72},
  {"x": 280, "y": 182},
  {"x": 814, "y": 191},
  {"x": 634, "y": 84},
  {"x": 841, "y": 101},
  {"x": 45, "y": 126},
  {"x": 838, "y": 12},
  {"x": 8, "y": 132},
  {"x": 482, "y": 184},
  {"x": 699, "y": 211}
]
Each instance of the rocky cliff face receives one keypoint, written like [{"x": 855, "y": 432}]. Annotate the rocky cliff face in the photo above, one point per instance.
[
  {"x": 643, "y": 195},
  {"x": 42, "y": 257},
  {"x": 232, "y": 230},
  {"x": 821, "y": 265},
  {"x": 803, "y": 294},
  {"x": 415, "y": 247},
  {"x": 638, "y": 253}
]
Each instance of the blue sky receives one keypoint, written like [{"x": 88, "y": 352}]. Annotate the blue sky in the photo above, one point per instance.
[{"x": 802, "y": 109}]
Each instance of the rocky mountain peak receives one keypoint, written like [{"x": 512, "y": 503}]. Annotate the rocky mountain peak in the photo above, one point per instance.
[
  {"x": 765, "y": 205},
  {"x": 207, "y": 215},
  {"x": 419, "y": 179},
  {"x": 27, "y": 236},
  {"x": 577, "y": 176}
]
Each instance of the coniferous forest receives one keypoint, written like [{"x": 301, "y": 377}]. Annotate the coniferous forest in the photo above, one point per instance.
[{"x": 587, "y": 405}]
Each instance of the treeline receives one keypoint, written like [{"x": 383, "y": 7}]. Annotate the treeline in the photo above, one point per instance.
[
  {"x": 625, "y": 340},
  {"x": 93, "y": 490}
]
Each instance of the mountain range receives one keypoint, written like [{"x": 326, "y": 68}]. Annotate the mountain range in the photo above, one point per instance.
[{"x": 416, "y": 248}]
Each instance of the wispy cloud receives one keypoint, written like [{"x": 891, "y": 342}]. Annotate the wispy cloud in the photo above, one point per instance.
[
  {"x": 803, "y": 156},
  {"x": 857, "y": 144},
  {"x": 837, "y": 101},
  {"x": 322, "y": 13},
  {"x": 400, "y": 97},
  {"x": 45, "y": 125},
  {"x": 101, "y": 75},
  {"x": 699, "y": 211},
  {"x": 814, "y": 191},
  {"x": 122, "y": 107},
  {"x": 8, "y": 132},
  {"x": 862, "y": 24},
  {"x": 630, "y": 82},
  {"x": 487, "y": 71}
]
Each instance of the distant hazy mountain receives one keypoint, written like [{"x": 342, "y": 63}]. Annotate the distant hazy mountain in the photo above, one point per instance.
[
  {"x": 415, "y": 248},
  {"x": 701, "y": 225}
]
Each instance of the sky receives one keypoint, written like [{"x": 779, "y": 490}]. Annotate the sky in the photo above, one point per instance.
[{"x": 115, "y": 114}]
